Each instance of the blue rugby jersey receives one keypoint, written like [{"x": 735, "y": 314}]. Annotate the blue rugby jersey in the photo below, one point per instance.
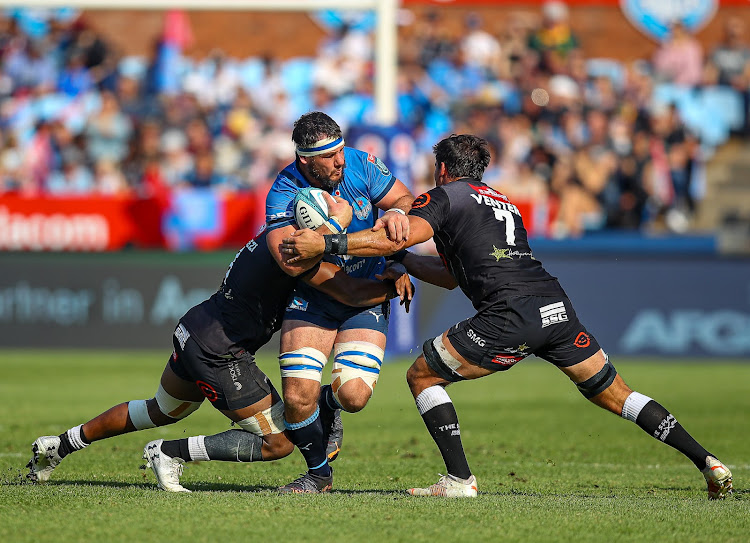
[{"x": 365, "y": 182}]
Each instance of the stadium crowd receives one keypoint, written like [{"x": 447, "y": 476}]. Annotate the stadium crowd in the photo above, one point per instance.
[{"x": 616, "y": 146}]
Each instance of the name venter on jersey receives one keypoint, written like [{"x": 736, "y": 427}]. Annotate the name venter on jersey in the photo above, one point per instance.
[
  {"x": 481, "y": 238},
  {"x": 365, "y": 182}
]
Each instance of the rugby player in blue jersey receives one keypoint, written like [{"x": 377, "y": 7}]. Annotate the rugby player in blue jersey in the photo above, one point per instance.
[
  {"x": 315, "y": 323},
  {"x": 521, "y": 310},
  {"x": 213, "y": 358}
]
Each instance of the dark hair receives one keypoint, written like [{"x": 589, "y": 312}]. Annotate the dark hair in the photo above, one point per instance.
[
  {"x": 464, "y": 155},
  {"x": 312, "y": 127}
]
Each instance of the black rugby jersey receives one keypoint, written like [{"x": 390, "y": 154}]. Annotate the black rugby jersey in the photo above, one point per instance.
[
  {"x": 481, "y": 239},
  {"x": 248, "y": 307}
]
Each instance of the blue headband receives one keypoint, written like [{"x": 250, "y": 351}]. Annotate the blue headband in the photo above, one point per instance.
[{"x": 321, "y": 146}]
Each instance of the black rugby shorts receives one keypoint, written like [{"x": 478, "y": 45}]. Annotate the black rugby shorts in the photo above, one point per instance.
[
  {"x": 228, "y": 383},
  {"x": 502, "y": 335}
]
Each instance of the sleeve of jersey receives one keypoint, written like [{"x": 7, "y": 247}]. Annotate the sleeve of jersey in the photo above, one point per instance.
[
  {"x": 379, "y": 177},
  {"x": 432, "y": 206},
  {"x": 280, "y": 204}
]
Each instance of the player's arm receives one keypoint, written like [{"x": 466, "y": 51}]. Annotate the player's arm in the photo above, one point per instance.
[
  {"x": 429, "y": 269},
  {"x": 396, "y": 204},
  {"x": 305, "y": 244},
  {"x": 338, "y": 208},
  {"x": 334, "y": 281}
]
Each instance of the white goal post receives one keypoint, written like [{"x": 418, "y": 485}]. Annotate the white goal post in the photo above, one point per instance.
[{"x": 385, "y": 32}]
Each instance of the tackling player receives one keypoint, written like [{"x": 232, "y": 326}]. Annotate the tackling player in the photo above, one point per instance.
[
  {"x": 316, "y": 323},
  {"x": 214, "y": 347},
  {"x": 521, "y": 310}
]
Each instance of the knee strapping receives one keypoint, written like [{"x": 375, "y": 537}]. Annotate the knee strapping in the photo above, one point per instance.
[
  {"x": 173, "y": 407},
  {"x": 138, "y": 412},
  {"x": 304, "y": 363},
  {"x": 268, "y": 421},
  {"x": 599, "y": 382},
  {"x": 440, "y": 360},
  {"x": 355, "y": 360}
]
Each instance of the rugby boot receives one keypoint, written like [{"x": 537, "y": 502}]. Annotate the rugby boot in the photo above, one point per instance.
[
  {"x": 167, "y": 469},
  {"x": 45, "y": 459},
  {"x": 308, "y": 483},
  {"x": 333, "y": 432},
  {"x": 449, "y": 487},
  {"x": 718, "y": 477}
]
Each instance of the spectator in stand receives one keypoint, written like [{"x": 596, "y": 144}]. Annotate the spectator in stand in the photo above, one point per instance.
[
  {"x": 109, "y": 179},
  {"x": 75, "y": 78},
  {"x": 204, "y": 175},
  {"x": 74, "y": 179},
  {"x": 679, "y": 59},
  {"x": 108, "y": 131},
  {"x": 555, "y": 40},
  {"x": 731, "y": 60},
  {"x": 176, "y": 162},
  {"x": 479, "y": 47}
]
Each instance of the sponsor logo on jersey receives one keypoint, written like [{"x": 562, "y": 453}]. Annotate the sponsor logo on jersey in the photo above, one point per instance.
[
  {"x": 508, "y": 253},
  {"x": 500, "y": 253},
  {"x": 354, "y": 267},
  {"x": 553, "y": 314},
  {"x": 182, "y": 335},
  {"x": 489, "y": 197},
  {"x": 297, "y": 303},
  {"x": 583, "y": 340},
  {"x": 280, "y": 215},
  {"x": 490, "y": 193},
  {"x": 421, "y": 201},
  {"x": 379, "y": 164},
  {"x": 362, "y": 208},
  {"x": 475, "y": 338}
]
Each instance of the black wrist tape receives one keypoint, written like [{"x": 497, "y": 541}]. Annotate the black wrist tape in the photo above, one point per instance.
[{"x": 336, "y": 244}]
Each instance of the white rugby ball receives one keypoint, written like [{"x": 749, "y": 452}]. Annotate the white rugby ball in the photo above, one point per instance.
[{"x": 310, "y": 208}]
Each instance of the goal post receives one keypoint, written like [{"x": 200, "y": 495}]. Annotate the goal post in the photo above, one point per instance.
[{"x": 385, "y": 30}]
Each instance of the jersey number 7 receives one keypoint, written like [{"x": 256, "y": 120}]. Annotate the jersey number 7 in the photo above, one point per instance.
[{"x": 510, "y": 225}]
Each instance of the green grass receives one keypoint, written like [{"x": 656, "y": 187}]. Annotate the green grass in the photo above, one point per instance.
[{"x": 551, "y": 467}]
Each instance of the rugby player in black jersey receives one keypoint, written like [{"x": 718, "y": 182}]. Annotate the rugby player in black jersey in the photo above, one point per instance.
[
  {"x": 213, "y": 358},
  {"x": 521, "y": 310}
]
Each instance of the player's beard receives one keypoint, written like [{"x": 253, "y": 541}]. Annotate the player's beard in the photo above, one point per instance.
[{"x": 323, "y": 180}]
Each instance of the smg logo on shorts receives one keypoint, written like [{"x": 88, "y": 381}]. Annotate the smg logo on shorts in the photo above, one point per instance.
[{"x": 553, "y": 314}]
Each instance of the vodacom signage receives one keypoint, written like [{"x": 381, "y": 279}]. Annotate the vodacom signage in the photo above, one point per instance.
[{"x": 68, "y": 224}]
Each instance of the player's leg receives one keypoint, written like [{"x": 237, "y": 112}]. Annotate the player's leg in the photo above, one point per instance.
[
  {"x": 358, "y": 357},
  {"x": 303, "y": 355},
  {"x": 439, "y": 365},
  {"x": 175, "y": 399},
  {"x": 599, "y": 382},
  {"x": 243, "y": 393}
]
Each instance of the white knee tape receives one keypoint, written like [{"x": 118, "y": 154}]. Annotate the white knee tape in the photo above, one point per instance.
[
  {"x": 353, "y": 360},
  {"x": 304, "y": 363},
  {"x": 138, "y": 411},
  {"x": 448, "y": 359},
  {"x": 172, "y": 407},
  {"x": 268, "y": 421}
]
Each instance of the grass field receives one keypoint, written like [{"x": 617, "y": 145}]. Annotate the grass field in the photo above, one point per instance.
[{"x": 550, "y": 466}]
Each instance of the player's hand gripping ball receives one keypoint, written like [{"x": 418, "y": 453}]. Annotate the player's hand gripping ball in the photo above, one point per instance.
[{"x": 310, "y": 208}]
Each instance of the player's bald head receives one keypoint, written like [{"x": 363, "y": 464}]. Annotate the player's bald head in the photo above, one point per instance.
[{"x": 464, "y": 155}]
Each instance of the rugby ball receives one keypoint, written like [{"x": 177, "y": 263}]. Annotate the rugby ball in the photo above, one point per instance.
[{"x": 310, "y": 208}]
